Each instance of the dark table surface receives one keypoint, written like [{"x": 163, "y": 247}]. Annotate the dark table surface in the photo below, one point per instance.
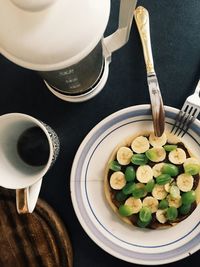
[{"x": 175, "y": 38}]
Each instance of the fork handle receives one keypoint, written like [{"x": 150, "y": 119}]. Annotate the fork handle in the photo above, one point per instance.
[{"x": 197, "y": 90}]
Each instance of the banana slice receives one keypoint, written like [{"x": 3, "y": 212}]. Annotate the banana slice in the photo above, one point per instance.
[
  {"x": 174, "y": 202},
  {"x": 124, "y": 155},
  {"x": 151, "y": 203},
  {"x": 135, "y": 204},
  {"x": 185, "y": 182},
  {"x": 159, "y": 192},
  {"x": 156, "y": 154},
  {"x": 177, "y": 156},
  {"x": 144, "y": 173},
  {"x": 157, "y": 169},
  {"x": 172, "y": 139},
  {"x": 117, "y": 180},
  {"x": 168, "y": 185},
  {"x": 161, "y": 216},
  {"x": 157, "y": 141},
  {"x": 140, "y": 144}
]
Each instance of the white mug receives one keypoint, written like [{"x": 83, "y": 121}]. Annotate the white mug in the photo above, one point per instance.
[{"x": 14, "y": 172}]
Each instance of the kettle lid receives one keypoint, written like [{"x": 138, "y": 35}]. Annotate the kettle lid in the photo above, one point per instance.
[{"x": 51, "y": 34}]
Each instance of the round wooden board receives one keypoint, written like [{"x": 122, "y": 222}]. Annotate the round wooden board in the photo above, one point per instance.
[{"x": 32, "y": 240}]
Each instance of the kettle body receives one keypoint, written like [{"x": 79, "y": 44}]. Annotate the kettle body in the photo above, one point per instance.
[{"x": 63, "y": 40}]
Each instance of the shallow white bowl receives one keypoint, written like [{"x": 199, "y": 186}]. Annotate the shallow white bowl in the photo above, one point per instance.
[{"x": 121, "y": 240}]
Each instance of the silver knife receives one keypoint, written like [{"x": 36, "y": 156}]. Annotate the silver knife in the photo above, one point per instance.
[{"x": 158, "y": 114}]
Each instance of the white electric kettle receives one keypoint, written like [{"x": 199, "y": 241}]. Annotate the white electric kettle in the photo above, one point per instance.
[{"x": 63, "y": 40}]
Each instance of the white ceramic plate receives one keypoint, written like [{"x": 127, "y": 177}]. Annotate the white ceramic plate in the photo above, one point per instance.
[{"x": 126, "y": 242}]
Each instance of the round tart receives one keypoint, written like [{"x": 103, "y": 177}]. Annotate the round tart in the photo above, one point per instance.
[{"x": 152, "y": 182}]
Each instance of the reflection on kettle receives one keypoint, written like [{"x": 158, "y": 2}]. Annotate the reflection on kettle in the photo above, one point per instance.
[{"x": 63, "y": 41}]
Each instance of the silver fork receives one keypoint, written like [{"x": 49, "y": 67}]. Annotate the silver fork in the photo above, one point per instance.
[{"x": 188, "y": 113}]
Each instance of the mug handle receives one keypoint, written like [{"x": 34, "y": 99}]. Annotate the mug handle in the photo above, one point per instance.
[
  {"x": 26, "y": 198},
  {"x": 120, "y": 37}
]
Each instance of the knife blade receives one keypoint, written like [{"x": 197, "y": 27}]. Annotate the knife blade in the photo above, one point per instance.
[{"x": 158, "y": 113}]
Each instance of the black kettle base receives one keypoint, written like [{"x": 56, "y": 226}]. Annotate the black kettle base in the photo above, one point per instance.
[{"x": 90, "y": 93}]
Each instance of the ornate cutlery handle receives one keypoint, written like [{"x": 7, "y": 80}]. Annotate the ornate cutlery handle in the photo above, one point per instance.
[{"x": 142, "y": 21}]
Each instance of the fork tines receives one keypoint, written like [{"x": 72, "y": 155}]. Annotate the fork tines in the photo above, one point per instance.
[
  {"x": 182, "y": 123},
  {"x": 188, "y": 113}
]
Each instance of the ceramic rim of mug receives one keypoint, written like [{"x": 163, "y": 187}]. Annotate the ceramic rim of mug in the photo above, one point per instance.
[{"x": 46, "y": 167}]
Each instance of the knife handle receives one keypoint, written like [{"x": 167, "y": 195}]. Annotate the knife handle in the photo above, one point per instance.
[{"x": 142, "y": 22}]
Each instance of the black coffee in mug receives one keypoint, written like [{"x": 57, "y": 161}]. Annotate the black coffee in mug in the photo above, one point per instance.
[{"x": 33, "y": 146}]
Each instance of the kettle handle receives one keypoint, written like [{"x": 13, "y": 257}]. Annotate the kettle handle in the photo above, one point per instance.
[{"x": 120, "y": 37}]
